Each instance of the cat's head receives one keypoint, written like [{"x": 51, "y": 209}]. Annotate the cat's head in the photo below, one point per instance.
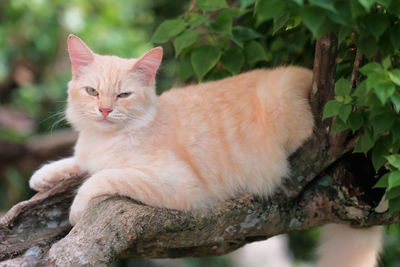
[{"x": 108, "y": 93}]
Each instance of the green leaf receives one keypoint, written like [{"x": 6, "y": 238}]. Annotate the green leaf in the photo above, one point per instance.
[
  {"x": 203, "y": 59},
  {"x": 344, "y": 112},
  {"x": 395, "y": 36},
  {"x": 197, "y": 19},
  {"x": 211, "y": 5},
  {"x": 378, "y": 159},
  {"x": 383, "y": 122},
  {"x": 374, "y": 78},
  {"x": 331, "y": 108},
  {"x": 394, "y": 75},
  {"x": 376, "y": 24},
  {"x": 222, "y": 23},
  {"x": 338, "y": 125},
  {"x": 384, "y": 90},
  {"x": 245, "y": 3},
  {"x": 342, "y": 87},
  {"x": 393, "y": 193},
  {"x": 356, "y": 120},
  {"x": 280, "y": 22},
  {"x": 245, "y": 34},
  {"x": 394, "y": 160},
  {"x": 233, "y": 60},
  {"x": 184, "y": 40},
  {"x": 383, "y": 181},
  {"x": 356, "y": 9},
  {"x": 325, "y": 4},
  {"x": 269, "y": 9},
  {"x": 371, "y": 67},
  {"x": 364, "y": 144},
  {"x": 313, "y": 18},
  {"x": 344, "y": 31},
  {"x": 254, "y": 52},
  {"x": 394, "y": 205},
  {"x": 168, "y": 29},
  {"x": 396, "y": 101},
  {"x": 367, "y": 4},
  {"x": 394, "y": 179},
  {"x": 185, "y": 70},
  {"x": 368, "y": 46}
]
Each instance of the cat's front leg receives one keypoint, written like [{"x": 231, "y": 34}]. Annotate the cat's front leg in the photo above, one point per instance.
[
  {"x": 123, "y": 182},
  {"x": 44, "y": 178}
]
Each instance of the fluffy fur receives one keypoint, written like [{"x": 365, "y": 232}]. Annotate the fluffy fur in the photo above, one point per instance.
[{"x": 187, "y": 149}]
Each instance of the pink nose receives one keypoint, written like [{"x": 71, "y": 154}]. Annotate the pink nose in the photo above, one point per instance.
[{"x": 105, "y": 111}]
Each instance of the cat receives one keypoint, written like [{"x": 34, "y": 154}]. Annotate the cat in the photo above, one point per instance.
[{"x": 189, "y": 148}]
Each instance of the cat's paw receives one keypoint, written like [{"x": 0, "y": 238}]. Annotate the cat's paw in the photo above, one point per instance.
[
  {"x": 45, "y": 178},
  {"x": 78, "y": 207}
]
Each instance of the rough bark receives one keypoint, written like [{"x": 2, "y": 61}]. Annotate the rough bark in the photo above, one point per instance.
[{"x": 324, "y": 187}]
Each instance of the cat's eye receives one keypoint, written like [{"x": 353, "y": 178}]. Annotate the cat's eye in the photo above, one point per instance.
[
  {"x": 91, "y": 91},
  {"x": 124, "y": 95}
]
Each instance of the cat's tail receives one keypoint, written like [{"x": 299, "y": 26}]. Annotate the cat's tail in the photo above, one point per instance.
[{"x": 344, "y": 246}]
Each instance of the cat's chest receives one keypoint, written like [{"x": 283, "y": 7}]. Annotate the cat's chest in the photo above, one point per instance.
[{"x": 95, "y": 154}]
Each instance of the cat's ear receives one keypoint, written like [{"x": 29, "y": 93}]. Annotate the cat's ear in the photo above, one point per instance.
[
  {"x": 148, "y": 64},
  {"x": 79, "y": 53}
]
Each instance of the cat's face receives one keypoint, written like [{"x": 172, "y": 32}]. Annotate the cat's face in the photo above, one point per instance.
[{"x": 108, "y": 93}]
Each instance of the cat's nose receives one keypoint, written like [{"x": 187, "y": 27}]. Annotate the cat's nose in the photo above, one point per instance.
[{"x": 105, "y": 111}]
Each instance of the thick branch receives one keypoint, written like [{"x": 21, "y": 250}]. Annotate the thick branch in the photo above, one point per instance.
[{"x": 119, "y": 227}]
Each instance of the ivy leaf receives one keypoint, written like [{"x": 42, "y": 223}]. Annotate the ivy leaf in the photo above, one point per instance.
[
  {"x": 395, "y": 36},
  {"x": 394, "y": 179},
  {"x": 394, "y": 160},
  {"x": 197, "y": 19},
  {"x": 331, "y": 108},
  {"x": 245, "y": 34},
  {"x": 394, "y": 205},
  {"x": 384, "y": 90},
  {"x": 338, "y": 125},
  {"x": 376, "y": 24},
  {"x": 378, "y": 159},
  {"x": 325, "y": 4},
  {"x": 313, "y": 18},
  {"x": 269, "y": 9},
  {"x": 374, "y": 78},
  {"x": 184, "y": 40},
  {"x": 344, "y": 112},
  {"x": 383, "y": 122},
  {"x": 356, "y": 120},
  {"x": 396, "y": 101},
  {"x": 280, "y": 22},
  {"x": 367, "y": 45},
  {"x": 203, "y": 59},
  {"x": 364, "y": 144},
  {"x": 233, "y": 60},
  {"x": 342, "y": 87},
  {"x": 245, "y": 3},
  {"x": 383, "y": 181},
  {"x": 222, "y": 23},
  {"x": 211, "y": 5},
  {"x": 367, "y": 4},
  {"x": 394, "y": 75},
  {"x": 343, "y": 33},
  {"x": 371, "y": 67},
  {"x": 168, "y": 29},
  {"x": 185, "y": 70},
  {"x": 393, "y": 193},
  {"x": 255, "y": 52}
]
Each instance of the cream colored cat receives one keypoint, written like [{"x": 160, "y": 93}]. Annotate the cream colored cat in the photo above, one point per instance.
[{"x": 187, "y": 149}]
